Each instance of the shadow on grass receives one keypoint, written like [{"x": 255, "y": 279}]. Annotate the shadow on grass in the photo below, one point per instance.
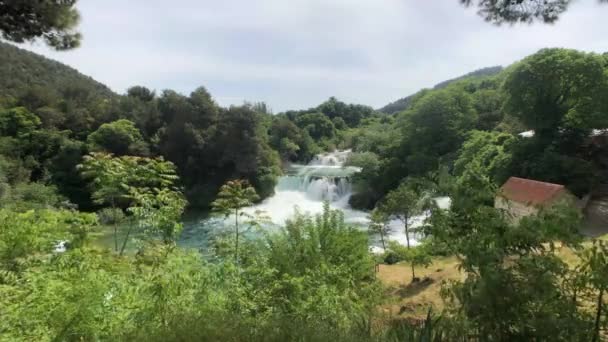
[{"x": 414, "y": 288}]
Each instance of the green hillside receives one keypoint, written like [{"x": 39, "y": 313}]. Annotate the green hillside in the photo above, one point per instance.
[
  {"x": 21, "y": 68},
  {"x": 404, "y": 103}
]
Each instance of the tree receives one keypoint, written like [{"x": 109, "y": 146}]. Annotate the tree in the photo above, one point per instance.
[
  {"x": 497, "y": 298},
  {"x": 131, "y": 181},
  {"x": 524, "y": 11},
  {"x": 404, "y": 203},
  {"x": 18, "y": 122},
  {"x": 486, "y": 153},
  {"x": 483, "y": 162},
  {"x": 54, "y": 21},
  {"x": 120, "y": 137},
  {"x": 234, "y": 196},
  {"x": 415, "y": 256},
  {"x": 23, "y": 235},
  {"x": 555, "y": 91},
  {"x": 290, "y": 141},
  {"x": 288, "y": 149},
  {"x": 379, "y": 224},
  {"x": 447, "y": 113},
  {"x": 365, "y": 182},
  {"x": 109, "y": 182},
  {"x": 142, "y": 93},
  {"x": 158, "y": 213},
  {"x": 594, "y": 270},
  {"x": 318, "y": 125}
]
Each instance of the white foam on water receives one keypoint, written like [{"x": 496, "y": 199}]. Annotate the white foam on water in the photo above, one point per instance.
[{"x": 305, "y": 188}]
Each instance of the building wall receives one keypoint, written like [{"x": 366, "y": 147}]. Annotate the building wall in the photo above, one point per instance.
[
  {"x": 515, "y": 209},
  {"x": 518, "y": 210}
]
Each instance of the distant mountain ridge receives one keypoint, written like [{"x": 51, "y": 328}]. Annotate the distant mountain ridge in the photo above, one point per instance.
[
  {"x": 19, "y": 66},
  {"x": 403, "y": 103}
]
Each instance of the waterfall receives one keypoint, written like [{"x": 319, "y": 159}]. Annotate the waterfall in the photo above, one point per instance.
[
  {"x": 325, "y": 178},
  {"x": 304, "y": 188}
]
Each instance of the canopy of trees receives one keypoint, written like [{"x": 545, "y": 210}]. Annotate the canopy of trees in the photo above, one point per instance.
[
  {"x": 471, "y": 127},
  {"x": 67, "y": 143}
]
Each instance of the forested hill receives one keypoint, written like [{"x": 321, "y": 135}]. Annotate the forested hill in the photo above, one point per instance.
[
  {"x": 404, "y": 103},
  {"x": 51, "y": 116},
  {"x": 21, "y": 68}
]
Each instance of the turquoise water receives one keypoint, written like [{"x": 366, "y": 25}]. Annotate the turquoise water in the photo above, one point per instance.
[{"x": 303, "y": 188}]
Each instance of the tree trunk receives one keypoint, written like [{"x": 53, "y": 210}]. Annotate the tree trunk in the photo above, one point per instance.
[
  {"x": 115, "y": 237},
  {"x": 236, "y": 224},
  {"x": 407, "y": 239},
  {"x": 115, "y": 225},
  {"x": 382, "y": 240},
  {"x": 407, "y": 231},
  {"x": 413, "y": 273},
  {"x": 598, "y": 316},
  {"x": 124, "y": 243}
]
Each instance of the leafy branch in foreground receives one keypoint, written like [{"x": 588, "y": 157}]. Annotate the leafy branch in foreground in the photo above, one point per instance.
[
  {"x": 524, "y": 11},
  {"x": 54, "y": 21}
]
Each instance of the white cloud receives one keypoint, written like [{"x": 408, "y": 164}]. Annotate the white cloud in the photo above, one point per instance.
[{"x": 295, "y": 54}]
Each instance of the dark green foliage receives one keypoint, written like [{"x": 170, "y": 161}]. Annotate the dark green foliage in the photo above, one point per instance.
[
  {"x": 60, "y": 109},
  {"x": 292, "y": 142},
  {"x": 364, "y": 182},
  {"x": 520, "y": 11},
  {"x": 141, "y": 93},
  {"x": 119, "y": 137},
  {"x": 26, "y": 71},
  {"x": 53, "y": 21},
  {"x": 445, "y": 114},
  {"x": 317, "y": 125},
  {"x": 350, "y": 114},
  {"x": 514, "y": 287},
  {"x": 18, "y": 122},
  {"x": 484, "y": 161},
  {"x": 479, "y": 74},
  {"x": 407, "y": 102},
  {"x": 557, "y": 90}
]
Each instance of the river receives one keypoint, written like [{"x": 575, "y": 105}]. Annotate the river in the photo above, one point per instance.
[{"x": 304, "y": 188}]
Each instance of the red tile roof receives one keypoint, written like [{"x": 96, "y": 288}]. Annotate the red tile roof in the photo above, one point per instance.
[{"x": 529, "y": 191}]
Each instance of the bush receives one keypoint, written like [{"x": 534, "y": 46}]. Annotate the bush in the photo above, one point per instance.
[
  {"x": 109, "y": 216},
  {"x": 391, "y": 258}
]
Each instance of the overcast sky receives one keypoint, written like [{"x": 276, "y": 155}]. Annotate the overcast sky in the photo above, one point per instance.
[{"x": 294, "y": 54}]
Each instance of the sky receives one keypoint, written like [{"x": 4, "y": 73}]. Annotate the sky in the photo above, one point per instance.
[{"x": 295, "y": 54}]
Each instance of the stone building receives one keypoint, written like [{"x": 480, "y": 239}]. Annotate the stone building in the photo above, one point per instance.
[{"x": 523, "y": 197}]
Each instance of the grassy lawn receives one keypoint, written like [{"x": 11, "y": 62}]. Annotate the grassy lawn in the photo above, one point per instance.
[
  {"x": 413, "y": 300},
  {"x": 407, "y": 299}
]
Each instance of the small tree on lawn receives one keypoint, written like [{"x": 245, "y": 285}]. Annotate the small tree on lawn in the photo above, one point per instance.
[
  {"x": 234, "y": 196},
  {"x": 410, "y": 199},
  {"x": 416, "y": 256},
  {"x": 403, "y": 203}
]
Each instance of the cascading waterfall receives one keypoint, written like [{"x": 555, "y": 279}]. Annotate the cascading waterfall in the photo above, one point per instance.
[
  {"x": 304, "y": 188},
  {"x": 323, "y": 179}
]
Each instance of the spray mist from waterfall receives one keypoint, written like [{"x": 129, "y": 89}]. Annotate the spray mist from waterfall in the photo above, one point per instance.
[{"x": 305, "y": 188}]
